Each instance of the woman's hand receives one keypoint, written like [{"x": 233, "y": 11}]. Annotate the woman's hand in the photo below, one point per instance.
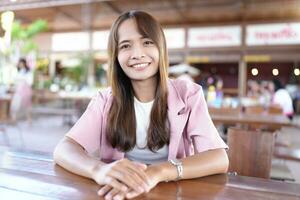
[
  {"x": 123, "y": 175},
  {"x": 109, "y": 192}
]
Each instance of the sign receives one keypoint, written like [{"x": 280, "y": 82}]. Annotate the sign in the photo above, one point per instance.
[
  {"x": 197, "y": 59},
  {"x": 257, "y": 58},
  {"x": 222, "y": 36},
  {"x": 273, "y": 34},
  {"x": 175, "y": 38}
]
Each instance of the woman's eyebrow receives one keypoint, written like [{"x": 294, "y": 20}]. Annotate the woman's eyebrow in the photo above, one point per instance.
[{"x": 125, "y": 41}]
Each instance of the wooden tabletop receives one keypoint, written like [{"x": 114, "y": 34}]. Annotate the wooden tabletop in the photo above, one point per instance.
[
  {"x": 33, "y": 175},
  {"x": 252, "y": 119}
]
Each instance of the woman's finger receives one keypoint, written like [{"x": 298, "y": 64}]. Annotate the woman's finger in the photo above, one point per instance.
[
  {"x": 111, "y": 194},
  {"x": 132, "y": 194},
  {"x": 141, "y": 165},
  {"x": 115, "y": 184},
  {"x": 105, "y": 189},
  {"x": 136, "y": 167},
  {"x": 125, "y": 176},
  {"x": 119, "y": 196},
  {"x": 138, "y": 170}
]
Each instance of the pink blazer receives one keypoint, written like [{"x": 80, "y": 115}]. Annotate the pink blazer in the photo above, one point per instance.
[{"x": 191, "y": 128}]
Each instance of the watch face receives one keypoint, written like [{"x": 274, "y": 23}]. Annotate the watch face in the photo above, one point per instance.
[{"x": 177, "y": 161}]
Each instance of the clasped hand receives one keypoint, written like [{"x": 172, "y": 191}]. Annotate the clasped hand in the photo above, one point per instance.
[{"x": 125, "y": 179}]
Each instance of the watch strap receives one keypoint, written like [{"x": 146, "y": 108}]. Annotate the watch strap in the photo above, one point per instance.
[{"x": 179, "y": 167}]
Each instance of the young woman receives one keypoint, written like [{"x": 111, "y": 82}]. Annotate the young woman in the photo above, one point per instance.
[
  {"x": 146, "y": 127},
  {"x": 21, "y": 101},
  {"x": 281, "y": 98}
]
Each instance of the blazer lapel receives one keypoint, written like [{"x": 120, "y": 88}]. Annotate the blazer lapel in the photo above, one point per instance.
[{"x": 178, "y": 115}]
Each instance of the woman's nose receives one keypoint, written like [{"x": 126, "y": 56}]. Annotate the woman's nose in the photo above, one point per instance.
[{"x": 137, "y": 52}]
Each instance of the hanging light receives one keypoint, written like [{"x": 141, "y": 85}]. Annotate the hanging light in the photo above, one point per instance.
[
  {"x": 254, "y": 71},
  {"x": 297, "y": 71},
  {"x": 7, "y": 19},
  {"x": 275, "y": 72}
]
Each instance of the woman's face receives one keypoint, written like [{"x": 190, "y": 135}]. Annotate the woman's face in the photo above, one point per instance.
[{"x": 137, "y": 55}]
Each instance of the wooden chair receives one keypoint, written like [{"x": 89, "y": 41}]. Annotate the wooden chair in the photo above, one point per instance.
[
  {"x": 275, "y": 110},
  {"x": 250, "y": 152},
  {"x": 258, "y": 109},
  {"x": 222, "y": 129},
  {"x": 224, "y": 110},
  {"x": 254, "y": 110}
]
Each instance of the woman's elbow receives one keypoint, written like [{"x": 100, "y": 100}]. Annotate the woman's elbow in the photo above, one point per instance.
[
  {"x": 56, "y": 156},
  {"x": 58, "y": 151},
  {"x": 224, "y": 161}
]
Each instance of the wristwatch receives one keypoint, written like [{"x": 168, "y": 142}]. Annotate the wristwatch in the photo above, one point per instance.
[{"x": 179, "y": 167}]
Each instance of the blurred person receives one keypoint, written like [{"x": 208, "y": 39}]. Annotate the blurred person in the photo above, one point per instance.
[
  {"x": 253, "y": 89},
  {"x": 281, "y": 97},
  {"x": 144, "y": 122},
  {"x": 21, "y": 100},
  {"x": 265, "y": 94},
  {"x": 210, "y": 81},
  {"x": 219, "y": 93},
  {"x": 58, "y": 68}
]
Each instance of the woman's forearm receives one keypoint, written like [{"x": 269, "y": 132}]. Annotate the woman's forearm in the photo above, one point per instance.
[
  {"x": 74, "y": 158},
  {"x": 201, "y": 164}
]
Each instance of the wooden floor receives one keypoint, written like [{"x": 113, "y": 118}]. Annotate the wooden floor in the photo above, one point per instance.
[{"x": 45, "y": 132}]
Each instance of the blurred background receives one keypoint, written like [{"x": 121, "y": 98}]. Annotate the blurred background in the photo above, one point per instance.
[{"x": 53, "y": 59}]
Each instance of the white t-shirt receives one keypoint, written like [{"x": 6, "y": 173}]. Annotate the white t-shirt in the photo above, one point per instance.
[
  {"x": 283, "y": 98},
  {"x": 139, "y": 152},
  {"x": 24, "y": 76}
]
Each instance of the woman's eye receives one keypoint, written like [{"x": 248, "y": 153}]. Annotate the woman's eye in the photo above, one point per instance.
[
  {"x": 148, "y": 42},
  {"x": 125, "y": 46}
]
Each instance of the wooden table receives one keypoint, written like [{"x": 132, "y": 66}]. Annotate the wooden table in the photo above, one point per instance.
[
  {"x": 251, "y": 119},
  {"x": 33, "y": 175}
]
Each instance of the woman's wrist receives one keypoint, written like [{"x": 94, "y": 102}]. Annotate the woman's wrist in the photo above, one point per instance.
[
  {"x": 164, "y": 171},
  {"x": 155, "y": 171},
  {"x": 95, "y": 170}
]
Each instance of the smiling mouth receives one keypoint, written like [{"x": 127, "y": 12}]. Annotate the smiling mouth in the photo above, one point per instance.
[{"x": 140, "y": 65}]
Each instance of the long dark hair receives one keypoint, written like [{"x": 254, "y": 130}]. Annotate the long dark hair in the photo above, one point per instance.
[
  {"x": 23, "y": 61},
  {"x": 277, "y": 84},
  {"x": 121, "y": 125}
]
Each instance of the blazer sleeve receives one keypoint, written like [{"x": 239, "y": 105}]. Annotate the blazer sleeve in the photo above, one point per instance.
[
  {"x": 87, "y": 129},
  {"x": 200, "y": 128}
]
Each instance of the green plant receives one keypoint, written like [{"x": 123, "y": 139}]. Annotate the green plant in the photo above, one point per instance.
[
  {"x": 78, "y": 73},
  {"x": 22, "y": 36}
]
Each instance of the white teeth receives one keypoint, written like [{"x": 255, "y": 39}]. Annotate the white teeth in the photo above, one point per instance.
[{"x": 140, "y": 65}]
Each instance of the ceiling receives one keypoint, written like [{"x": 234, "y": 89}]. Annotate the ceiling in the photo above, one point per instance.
[{"x": 77, "y": 15}]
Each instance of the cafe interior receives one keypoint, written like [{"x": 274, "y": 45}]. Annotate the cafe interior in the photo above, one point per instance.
[{"x": 53, "y": 60}]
